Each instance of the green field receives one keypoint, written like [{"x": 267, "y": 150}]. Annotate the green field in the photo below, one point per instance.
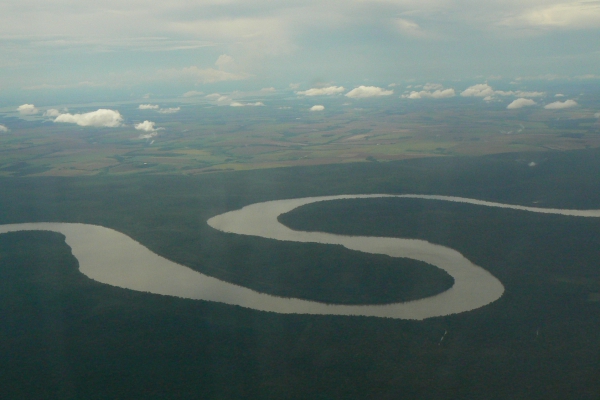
[{"x": 203, "y": 139}]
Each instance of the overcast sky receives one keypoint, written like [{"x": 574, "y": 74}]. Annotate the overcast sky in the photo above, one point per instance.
[{"x": 50, "y": 45}]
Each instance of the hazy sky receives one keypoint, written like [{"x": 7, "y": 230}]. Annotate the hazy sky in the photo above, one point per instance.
[{"x": 48, "y": 45}]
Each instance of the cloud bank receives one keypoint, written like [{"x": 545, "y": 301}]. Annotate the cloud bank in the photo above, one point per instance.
[
  {"x": 172, "y": 110},
  {"x": 148, "y": 107},
  {"x": 363, "y": 92},
  {"x": 99, "y": 118},
  {"x": 436, "y": 94},
  {"x": 326, "y": 91},
  {"x": 27, "y": 109},
  {"x": 479, "y": 90},
  {"x": 199, "y": 75},
  {"x": 520, "y": 103},
  {"x": 488, "y": 93},
  {"x": 192, "y": 93},
  {"x": 557, "y": 105},
  {"x": 317, "y": 108},
  {"x": 238, "y": 104}
]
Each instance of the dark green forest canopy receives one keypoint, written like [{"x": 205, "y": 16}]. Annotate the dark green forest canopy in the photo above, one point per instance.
[{"x": 538, "y": 341}]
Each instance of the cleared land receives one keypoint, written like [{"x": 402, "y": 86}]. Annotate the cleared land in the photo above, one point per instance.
[{"x": 202, "y": 139}]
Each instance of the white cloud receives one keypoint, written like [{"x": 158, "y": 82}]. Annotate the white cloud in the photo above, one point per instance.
[
  {"x": 148, "y": 107},
  {"x": 238, "y": 104},
  {"x": 326, "y": 91},
  {"x": 437, "y": 94},
  {"x": 520, "y": 103},
  {"x": 432, "y": 86},
  {"x": 410, "y": 28},
  {"x": 146, "y": 126},
  {"x": 559, "y": 95},
  {"x": 557, "y": 105},
  {"x": 528, "y": 94},
  {"x": 479, "y": 90},
  {"x": 199, "y": 75},
  {"x": 268, "y": 90},
  {"x": 317, "y": 108},
  {"x": 224, "y": 61},
  {"x": 99, "y": 118},
  {"x": 148, "y": 136},
  {"x": 52, "y": 112},
  {"x": 294, "y": 86},
  {"x": 568, "y": 15},
  {"x": 212, "y": 96},
  {"x": 362, "y": 92},
  {"x": 532, "y": 164},
  {"x": 192, "y": 93},
  {"x": 27, "y": 109},
  {"x": 223, "y": 100},
  {"x": 169, "y": 110},
  {"x": 487, "y": 92},
  {"x": 3, "y": 128}
]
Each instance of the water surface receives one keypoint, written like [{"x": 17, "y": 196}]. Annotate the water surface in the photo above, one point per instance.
[{"x": 113, "y": 258}]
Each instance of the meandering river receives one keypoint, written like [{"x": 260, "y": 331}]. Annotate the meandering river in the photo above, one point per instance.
[{"x": 113, "y": 258}]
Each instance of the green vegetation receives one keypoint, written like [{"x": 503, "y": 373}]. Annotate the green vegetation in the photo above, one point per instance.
[
  {"x": 76, "y": 338},
  {"x": 202, "y": 139}
]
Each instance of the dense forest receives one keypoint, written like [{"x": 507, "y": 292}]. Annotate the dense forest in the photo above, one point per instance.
[{"x": 65, "y": 336}]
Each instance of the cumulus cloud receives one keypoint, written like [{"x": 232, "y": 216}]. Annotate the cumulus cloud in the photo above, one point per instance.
[
  {"x": 148, "y": 107},
  {"x": 52, "y": 112},
  {"x": 557, "y": 105},
  {"x": 362, "y": 92},
  {"x": 98, "y": 118},
  {"x": 238, "y": 104},
  {"x": 169, "y": 110},
  {"x": 3, "y": 128},
  {"x": 192, "y": 93},
  {"x": 437, "y": 94},
  {"x": 326, "y": 91},
  {"x": 27, "y": 109},
  {"x": 221, "y": 100},
  {"x": 559, "y": 95},
  {"x": 520, "y": 103},
  {"x": 479, "y": 90},
  {"x": 317, "y": 108},
  {"x": 432, "y": 86},
  {"x": 488, "y": 93},
  {"x": 149, "y": 128},
  {"x": 528, "y": 94},
  {"x": 146, "y": 126}
]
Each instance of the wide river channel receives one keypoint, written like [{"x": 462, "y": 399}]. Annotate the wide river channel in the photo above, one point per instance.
[{"x": 110, "y": 257}]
